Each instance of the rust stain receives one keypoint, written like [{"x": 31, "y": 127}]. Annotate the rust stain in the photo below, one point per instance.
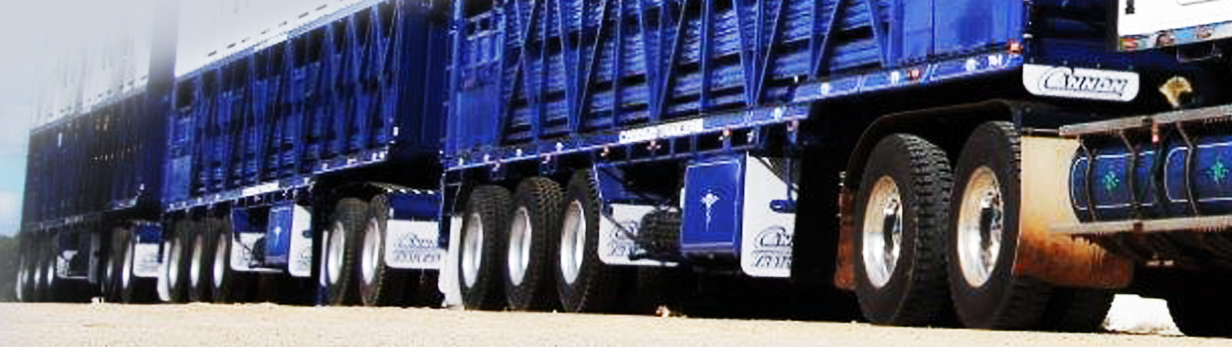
[
  {"x": 845, "y": 271},
  {"x": 1051, "y": 257}
]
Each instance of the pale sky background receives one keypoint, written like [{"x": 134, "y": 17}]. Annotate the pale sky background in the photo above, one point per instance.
[{"x": 57, "y": 53}]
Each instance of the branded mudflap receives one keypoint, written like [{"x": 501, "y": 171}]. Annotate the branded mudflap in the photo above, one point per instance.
[
  {"x": 1052, "y": 257},
  {"x": 741, "y": 205},
  {"x": 413, "y": 231},
  {"x": 289, "y": 239},
  {"x": 247, "y": 228},
  {"x": 146, "y": 262},
  {"x": 447, "y": 282},
  {"x": 620, "y": 220}
]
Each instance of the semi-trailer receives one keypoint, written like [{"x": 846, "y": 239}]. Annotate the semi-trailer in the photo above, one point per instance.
[{"x": 972, "y": 163}]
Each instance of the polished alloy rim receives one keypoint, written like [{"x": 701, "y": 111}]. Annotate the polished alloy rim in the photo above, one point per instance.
[
  {"x": 173, "y": 262},
  {"x": 372, "y": 251},
  {"x": 472, "y": 249},
  {"x": 337, "y": 247},
  {"x": 126, "y": 274},
  {"x": 51, "y": 272},
  {"x": 980, "y": 226},
  {"x": 519, "y": 245},
  {"x": 198, "y": 258},
  {"x": 108, "y": 276},
  {"x": 883, "y": 232},
  {"x": 573, "y": 242},
  {"x": 20, "y": 287},
  {"x": 220, "y": 259}
]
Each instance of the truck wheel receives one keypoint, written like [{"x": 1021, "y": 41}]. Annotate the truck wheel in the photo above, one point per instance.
[
  {"x": 200, "y": 267},
  {"x": 112, "y": 290},
  {"x": 380, "y": 285},
  {"x": 1201, "y": 315},
  {"x": 584, "y": 283},
  {"x": 229, "y": 286},
  {"x": 177, "y": 271},
  {"x": 19, "y": 287},
  {"x": 133, "y": 289},
  {"x": 483, "y": 245},
  {"x": 985, "y": 204},
  {"x": 53, "y": 288},
  {"x": 342, "y": 255},
  {"x": 902, "y": 217},
  {"x": 1078, "y": 310},
  {"x": 529, "y": 284}
]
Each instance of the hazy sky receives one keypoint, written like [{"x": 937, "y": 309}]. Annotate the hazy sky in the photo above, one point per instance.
[{"x": 41, "y": 37}]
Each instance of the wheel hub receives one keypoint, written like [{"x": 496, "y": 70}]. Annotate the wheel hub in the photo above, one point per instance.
[
  {"x": 198, "y": 255},
  {"x": 883, "y": 232},
  {"x": 573, "y": 242},
  {"x": 220, "y": 259},
  {"x": 980, "y": 227},
  {"x": 173, "y": 263},
  {"x": 372, "y": 251},
  {"x": 337, "y": 247},
  {"x": 472, "y": 249},
  {"x": 520, "y": 239}
]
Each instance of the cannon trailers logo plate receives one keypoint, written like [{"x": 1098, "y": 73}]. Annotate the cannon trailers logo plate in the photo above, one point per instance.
[{"x": 1079, "y": 83}]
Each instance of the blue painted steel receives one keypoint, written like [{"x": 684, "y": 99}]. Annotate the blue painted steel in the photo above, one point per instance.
[
  {"x": 1109, "y": 183},
  {"x": 148, "y": 233},
  {"x": 278, "y": 234},
  {"x": 416, "y": 205},
  {"x": 357, "y": 88},
  {"x": 713, "y": 206},
  {"x": 1208, "y": 176}
]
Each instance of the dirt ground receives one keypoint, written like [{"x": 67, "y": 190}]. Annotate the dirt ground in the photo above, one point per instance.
[{"x": 271, "y": 325}]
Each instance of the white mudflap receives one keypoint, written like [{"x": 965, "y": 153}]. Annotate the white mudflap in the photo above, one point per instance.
[
  {"x": 299, "y": 258},
  {"x": 162, "y": 285},
  {"x": 145, "y": 261},
  {"x": 615, "y": 246},
  {"x": 765, "y": 247},
  {"x": 447, "y": 282},
  {"x": 413, "y": 245},
  {"x": 241, "y": 253},
  {"x": 62, "y": 263}
]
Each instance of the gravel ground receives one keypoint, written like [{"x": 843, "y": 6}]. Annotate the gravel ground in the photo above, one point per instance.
[{"x": 271, "y": 325}]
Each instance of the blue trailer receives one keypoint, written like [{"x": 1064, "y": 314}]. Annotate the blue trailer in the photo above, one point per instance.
[
  {"x": 903, "y": 150},
  {"x": 311, "y": 156}
]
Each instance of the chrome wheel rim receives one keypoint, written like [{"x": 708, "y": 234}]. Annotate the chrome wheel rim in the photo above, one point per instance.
[
  {"x": 372, "y": 251},
  {"x": 520, "y": 234},
  {"x": 472, "y": 249},
  {"x": 173, "y": 262},
  {"x": 108, "y": 275},
  {"x": 981, "y": 226},
  {"x": 126, "y": 274},
  {"x": 220, "y": 259},
  {"x": 198, "y": 258},
  {"x": 51, "y": 272},
  {"x": 882, "y": 232},
  {"x": 20, "y": 287},
  {"x": 337, "y": 244},
  {"x": 573, "y": 242}
]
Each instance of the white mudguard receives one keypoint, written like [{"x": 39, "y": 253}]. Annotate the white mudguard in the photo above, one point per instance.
[
  {"x": 766, "y": 235},
  {"x": 615, "y": 246},
  {"x": 145, "y": 261},
  {"x": 241, "y": 253},
  {"x": 413, "y": 245},
  {"x": 447, "y": 282},
  {"x": 299, "y": 258}
]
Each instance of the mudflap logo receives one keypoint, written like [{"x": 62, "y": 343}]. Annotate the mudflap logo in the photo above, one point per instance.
[
  {"x": 773, "y": 249},
  {"x": 1079, "y": 83},
  {"x": 619, "y": 244}
]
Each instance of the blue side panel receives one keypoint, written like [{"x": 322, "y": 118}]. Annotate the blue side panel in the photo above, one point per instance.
[
  {"x": 531, "y": 73},
  {"x": 1209, "y": 175},
  {"x": 278, "y": 234},
  {"x": 712, "y": 206},
  {"x": 416, "y": 206},
  {"x": 358, "y": 87},
  {"x": 1109, "y": 183}
]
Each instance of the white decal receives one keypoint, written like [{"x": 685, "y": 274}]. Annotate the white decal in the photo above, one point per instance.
[
  {"x": 413, "y": 245},
  {"x": 1079, "y": 83},
  {"x": 145, "y": 260},
  {"x": 676, "y": 129},
  {"x": 241, "y": 253}
]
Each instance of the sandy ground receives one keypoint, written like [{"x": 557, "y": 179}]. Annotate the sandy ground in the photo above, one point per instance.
[{"x": 270, "y": 325}]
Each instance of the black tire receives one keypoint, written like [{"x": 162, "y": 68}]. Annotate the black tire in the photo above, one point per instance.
[
  {"x": 133, "y": 289},
  {"x": 19, "y": 286},
  {"x": 1002, "y": 300},
  {"x": 1201, "y": 314},
  {"x": 177, "y": 255},
  {"x": 1077, "y": 310},
  {"x": 482, "y": 252},
  {"x": 201, "y": 264},
  {"x": 912, "y": 176},
  {"x": 379, "y": 284},
  {"x": 115, "y": 260},
  {"x": 53, "y": 287},
  {"x": 227, "y": 285},
  {"x": 343, "y": 250},
  {"x": 533, "y": 231},
  {"x": 594, "y": 287}
]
